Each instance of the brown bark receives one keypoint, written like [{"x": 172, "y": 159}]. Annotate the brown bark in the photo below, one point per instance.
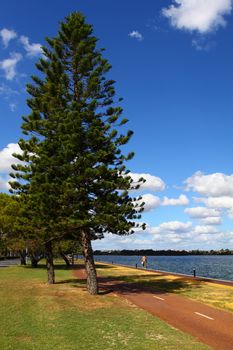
[
  {"x": 64, "y": 257},
  {"x": 34, "y": 261},
  {"x": 22, "y": 254},
  {"x": 92, "y": 285},
  {"x": 49, "y": 263}
]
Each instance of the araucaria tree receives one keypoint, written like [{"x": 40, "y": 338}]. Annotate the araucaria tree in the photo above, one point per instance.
[{"x": 74, "y": 180}]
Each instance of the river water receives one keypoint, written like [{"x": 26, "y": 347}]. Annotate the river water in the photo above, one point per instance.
[{"x": 212, "y": 266}]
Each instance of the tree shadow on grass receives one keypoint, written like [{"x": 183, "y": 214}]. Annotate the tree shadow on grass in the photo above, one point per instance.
[
  {"x": 56, "y": 267},
  {"x": 70, "y": 280},
  {"x": 132, "y": 283},
  {"x": 147, "y": 283},
  {"x": 161, "y": 286},
  {"x": 136, "y": 283}
]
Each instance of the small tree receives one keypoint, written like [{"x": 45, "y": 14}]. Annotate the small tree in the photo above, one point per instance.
[{"x": 76, "y": 181}]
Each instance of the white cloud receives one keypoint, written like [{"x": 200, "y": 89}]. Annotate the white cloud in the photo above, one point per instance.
[
  {"x": 7, "y": 35},
  {"x": 6, "y": 158},
  {"x": 216, "y": 202},
  {"x": 224, "y": 202},
  {"x": 31, "y": 49},
  {"x": 151, "y": 201},
  {"x": 177, "y": 235},
  {"x": 172, "y": 226},
  {"x": 202, "y": 16},
  {"x": 213, "y": 185},
  {"x": 7, "y": 92},
  {"x": 202, "y": 212},
  {"x": 181, "y": 200},
  {"x": 12, "y": 107},
  {"x": 9, "y": 65},
  {"x": 211, "y": 221},
  {"x": 4, "y": 184},
  {"x": 202, "y": 43},
  {"x": 205, "y": 229},
  {"x": 171, "y": 235},
  {"x": 140, "y": 240},
  {"x": 153, "y": 183},
  {"x": 136, "y": 35}
]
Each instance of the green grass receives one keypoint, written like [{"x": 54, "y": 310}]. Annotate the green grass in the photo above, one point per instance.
[
  {"x": 216, "y": 295},
  {"x": 63, "y": 316}
]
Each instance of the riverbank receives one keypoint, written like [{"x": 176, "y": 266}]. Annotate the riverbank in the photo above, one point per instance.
[{"x": 187, "y": 277}]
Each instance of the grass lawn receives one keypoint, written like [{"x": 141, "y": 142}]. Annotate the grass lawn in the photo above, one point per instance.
[
  {"x": 63, "y": 316},
  {"x": 216, "y": 295}
]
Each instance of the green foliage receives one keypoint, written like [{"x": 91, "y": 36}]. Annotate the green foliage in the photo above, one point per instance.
[
  {"x": 73, "y": 176},
  {"x": 67, "y": 246},
  {"x": 9, "y": 211}
]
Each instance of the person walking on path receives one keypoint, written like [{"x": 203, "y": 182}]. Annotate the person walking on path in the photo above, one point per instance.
[{"x": 144, "y": 261}]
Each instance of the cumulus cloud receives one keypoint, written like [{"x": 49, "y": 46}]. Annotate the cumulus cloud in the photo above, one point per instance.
[
  {"x": 169, "y": 235},
  {"x": 151, "y": 201},
  {"x": 181, "y": 200},
  {"x": 224, "y": 202},
  {"x": 202, "y": 212},
  {"x": 211, "y": 221},
  {"x": 6, "y": 158},
  {"x": 212, "y": 185},
  {"x": 185, "y": 235},
  {"x": 4, "y": 183},
  {"x": 205, "y": 229},
  {"x": 202, "y": 16},
  {"x": 140, "y": 240},
  {"x": 9, "y": 65},
  {"x": 7, "y": 35},
  {"x": 31, "y": 49},
  {"x": 216, "y": 202},
  {"x": 153, "y": 183},
  {"x": 172, "y": 226},
  {"x": 136, "y": 35}
]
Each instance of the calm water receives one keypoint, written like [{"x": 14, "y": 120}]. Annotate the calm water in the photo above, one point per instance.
[{"x": 214, "y": 266}]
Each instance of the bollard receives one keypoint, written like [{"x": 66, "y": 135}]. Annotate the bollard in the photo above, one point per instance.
[
  {"x": 112, "y": 262},
  {"x": 194, "y": 273},
  {"x": 136, "y": 266}
]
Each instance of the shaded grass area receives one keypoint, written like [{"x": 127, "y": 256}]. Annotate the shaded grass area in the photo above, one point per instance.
[
  {"x": 63, "y": 316},
  {"x": 219, "y": 296}
]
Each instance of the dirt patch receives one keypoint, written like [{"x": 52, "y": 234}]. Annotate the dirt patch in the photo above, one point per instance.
[{"x": 24, "y": 338}]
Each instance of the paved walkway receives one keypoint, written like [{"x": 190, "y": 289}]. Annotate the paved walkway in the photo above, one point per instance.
[{"x": 209, "y": 325}]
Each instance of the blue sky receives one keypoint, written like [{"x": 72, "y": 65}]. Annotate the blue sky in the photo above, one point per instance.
[{"x": 173, "y": 65}]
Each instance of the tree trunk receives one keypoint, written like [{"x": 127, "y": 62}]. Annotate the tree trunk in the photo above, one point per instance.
[
  {"x": 49, "y": 263},
  {"x": 22, "y": 255},
  {"x": 34, "y": 261},
  {"x": 64, "y": 257},
  {"x": 92, "y": 285}
]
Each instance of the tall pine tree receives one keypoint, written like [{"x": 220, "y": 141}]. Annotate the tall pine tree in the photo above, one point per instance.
[{"x": 73, "y": 179}]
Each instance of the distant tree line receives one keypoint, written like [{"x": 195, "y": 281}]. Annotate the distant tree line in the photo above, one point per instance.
[{"x": 151, "y": 252}]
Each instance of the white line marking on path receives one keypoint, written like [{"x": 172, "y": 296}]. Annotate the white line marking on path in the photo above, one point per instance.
[
  {"x": 158, "y": 297},
  {"x": 209, "y": 318}
]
